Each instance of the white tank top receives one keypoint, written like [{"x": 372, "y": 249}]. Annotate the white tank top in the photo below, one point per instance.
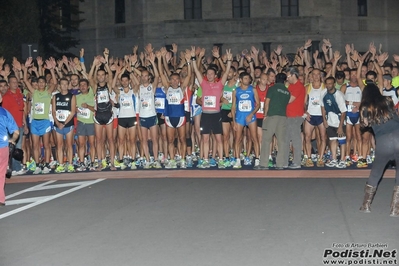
[
  {"x": 146, "y": 99},
  {"x": 315, "y": 98},
  {"x": 126, "y": 104},
  {"x": 352, "y": 94}
]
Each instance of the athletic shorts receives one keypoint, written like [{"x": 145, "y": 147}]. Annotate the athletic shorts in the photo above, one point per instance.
[
  {"x": 103, "y": 118},
  {"x": 225, "y": 117},
  {"x": 259, "y": 122},
  {"x": 188, "y": 116},
  {"x": 333, "y": 134},
  {"x": 161, "y": 121},
  {"x": 148, "y": 122},
  {"x": 242, "y": 120},
  {"x": 175, "y": 122},
  {"x": 315, "y": 120},
  {"x": 211, "y": 123},
  {"x": 85, "y": 129},
  {"x": 197, "y": 111},
  {"x": 354, "y": 119},
  {"x": 127, "y": 122},
  {"x": 40, "y": 127},
  {"x": 64, "y": 131}
]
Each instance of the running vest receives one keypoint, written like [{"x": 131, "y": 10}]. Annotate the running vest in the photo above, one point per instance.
[
  {"x": 160, "y": 97},
  {"x": 352, "y": 94},
  {"x": 147, "y": 105},
  {"x": 228, "y": 95},
  {"x": 63, "y": 107},
  {"x": 315, "y": 96},
  {"x": 245, "y": 101},
  {"x": 127, "y": 102},
  {"x": 262, "y": 98},
  {"x": 103, "y": 99},
  {"x": 41, "y": 102},
  {"x": 174, "y": 102}
]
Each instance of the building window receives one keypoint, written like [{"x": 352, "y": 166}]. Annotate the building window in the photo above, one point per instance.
[
  {"x": 289, "y": 8},
  {"x": 240, "y": 8},
  {"x": 362, "y": 8},
  {"x": 192, "y": 9},
  {"x": 119, "y": 11}
]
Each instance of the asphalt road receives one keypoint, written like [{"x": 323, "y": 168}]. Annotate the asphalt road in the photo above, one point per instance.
[{"x": 191, "y": 222}]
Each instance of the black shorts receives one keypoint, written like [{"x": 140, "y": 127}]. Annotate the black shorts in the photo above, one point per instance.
[
  {"x": 103, "y": 118},
  {"x": 211, "y": 123},
  {"x": 127, "y": 122},
  {"x": 188, "y": 117},
  {"x": 225, "y": 118},
  {"x": 161, "y": 121},
  {"x": 333, "y": 134},
  {"x": 259, "y": 122}
]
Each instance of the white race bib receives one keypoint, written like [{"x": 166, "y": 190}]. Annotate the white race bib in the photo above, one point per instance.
[
  {"x": 228, "y": 95},
  {"x": 262, "y": 107},
  {"x": 39, "y": 108},
  {"x": 62, "y": 115},
  {"x": 145, "y": 103},
  {"x": 83, "y": 113},
  {"x": 210, "y": 101},
  {"x": 102, "y": 97},
  {"x": 125, "y": 103},
  {"x": 160, "y": 103},
  {"x": 244, "y": 105}
]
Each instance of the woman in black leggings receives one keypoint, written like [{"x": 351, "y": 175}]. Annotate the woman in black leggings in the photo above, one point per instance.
[{"x": 378, "y": 112}]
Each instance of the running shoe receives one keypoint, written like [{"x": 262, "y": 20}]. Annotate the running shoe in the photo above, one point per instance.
[
  {"x": 237, "y": 164},
  {"x": 247, "y": 161},
  {"x": 221, "y": 164},
  {"x": 60, "y": 169},
  {"x": 212, "y": 162},
  {"x": 332, "y": 163},
  {"x": 70, "y": 168}
]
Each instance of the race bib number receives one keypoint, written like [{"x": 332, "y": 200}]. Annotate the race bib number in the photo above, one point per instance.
[
  {"x": 84, "y": 113},
  {"x": 261, "y": 108},
  {"x": 39, "y": 108},
  {"x": 210, "y": 101},
  {"x": 228, "y": 96},
  {"x": 160, "y": 103},
  {"x": 315, "y": 101},
  {"x": 62, "y": 115},
  {"x": 145, "y": 104},
  {"x": 102, "y": 97},
  {"x": 244, "y": 105},
  {"x": 125, "y": 103}
]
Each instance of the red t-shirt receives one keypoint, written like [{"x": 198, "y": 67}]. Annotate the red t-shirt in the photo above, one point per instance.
[
  {"x": 14, "y": 103},
  {"x": 297, "y": 107}
]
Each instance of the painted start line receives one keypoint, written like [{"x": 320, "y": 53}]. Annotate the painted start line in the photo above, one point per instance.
[{"x": 34, "y": 201}]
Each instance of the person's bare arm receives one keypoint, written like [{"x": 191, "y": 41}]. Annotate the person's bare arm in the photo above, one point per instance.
[
  {"x": 186, "y": 81},
  {"x": 229, "y": 60},
  {"x": 196, "y": 71}
]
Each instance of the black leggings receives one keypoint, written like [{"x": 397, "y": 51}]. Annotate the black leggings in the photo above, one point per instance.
[{"x": 387, "y": 149}]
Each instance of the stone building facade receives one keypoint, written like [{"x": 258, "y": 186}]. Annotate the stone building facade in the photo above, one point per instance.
[{"x": 237, "y": 24}]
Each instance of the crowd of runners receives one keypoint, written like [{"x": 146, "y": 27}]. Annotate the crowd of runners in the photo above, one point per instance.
[{"x": 195, "y": 108}]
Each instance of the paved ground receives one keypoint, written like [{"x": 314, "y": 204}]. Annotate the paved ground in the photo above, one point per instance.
[{"x": 190, "y": 221}]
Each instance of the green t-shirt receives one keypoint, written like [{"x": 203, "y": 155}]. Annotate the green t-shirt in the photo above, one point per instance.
[
  {"x": 41, "y": 102},
  {"x": 199, "y": 92},
  {"x": 84, "y": 114},
  {"x": 279, "y": 97}
]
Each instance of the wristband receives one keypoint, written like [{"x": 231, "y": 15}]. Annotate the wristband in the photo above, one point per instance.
[
  {"x": 193, "y": 58},
  {"x": 82, "y": 60}
]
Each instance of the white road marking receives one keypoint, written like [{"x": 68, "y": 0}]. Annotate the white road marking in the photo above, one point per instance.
[
  {"x": 41, "y": 200},
  {"x": 29, "y": 189}
]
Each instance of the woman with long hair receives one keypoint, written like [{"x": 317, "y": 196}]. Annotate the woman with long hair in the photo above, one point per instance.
[{"x": 378, "y": 111}]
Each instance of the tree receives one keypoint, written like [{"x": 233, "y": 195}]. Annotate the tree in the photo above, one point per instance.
[
  {"x": 18, "y": 24},
  {"x": 59, "y": 20}
]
